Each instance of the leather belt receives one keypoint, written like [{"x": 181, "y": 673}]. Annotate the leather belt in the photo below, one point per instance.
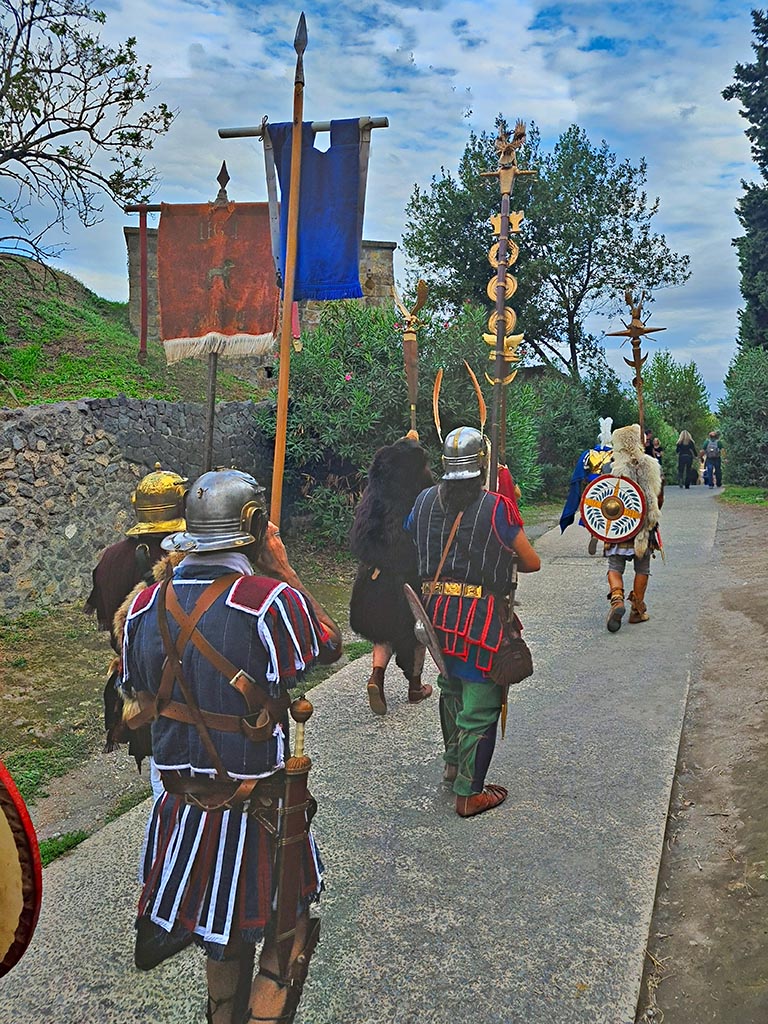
[
  {"x": 213, "y": 794},
  {"x": 452, "y": 589},
  {"x": 257, "y": 727}
]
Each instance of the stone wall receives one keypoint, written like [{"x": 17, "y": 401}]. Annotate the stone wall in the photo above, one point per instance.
[
  {"x": 377, "y": 275},
  {"x": 67, "y": 473}
]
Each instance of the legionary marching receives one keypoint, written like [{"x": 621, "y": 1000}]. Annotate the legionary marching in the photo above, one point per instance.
[{"x": 209, "y": 655}]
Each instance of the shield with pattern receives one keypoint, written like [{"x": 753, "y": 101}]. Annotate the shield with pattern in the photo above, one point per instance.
[{"x": 613, "y": 508}]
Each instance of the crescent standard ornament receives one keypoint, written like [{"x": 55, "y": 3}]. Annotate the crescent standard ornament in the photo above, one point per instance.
[
  {"x": 613, "y": 508},
  {"x": 21, "y": 877},
  {"x": 422, "y": 627}
]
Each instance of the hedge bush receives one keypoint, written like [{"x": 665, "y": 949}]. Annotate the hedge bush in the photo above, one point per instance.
[{"x": 744, "y": 418}]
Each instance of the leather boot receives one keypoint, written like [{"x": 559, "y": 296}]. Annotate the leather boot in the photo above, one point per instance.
[
  {"x": 639, "y": 612},
  {"x": 616, "y": 614},
  {"x": 376, "y": 692},
  {"x": 417, "y": 692}
]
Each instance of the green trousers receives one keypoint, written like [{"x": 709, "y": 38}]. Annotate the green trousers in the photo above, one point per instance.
[{"x": 469, "y": 713}]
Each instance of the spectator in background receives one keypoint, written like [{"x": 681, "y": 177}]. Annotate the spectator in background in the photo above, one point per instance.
[
  {"x": 657, "y": 451},
  {"x": 648, "y": 442},
  {"x": 686, "y": 453},
  {"x": 713, "y": 460}
]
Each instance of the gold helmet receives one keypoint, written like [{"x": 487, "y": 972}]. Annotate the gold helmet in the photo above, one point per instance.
[{"x": 158, "y": 502}]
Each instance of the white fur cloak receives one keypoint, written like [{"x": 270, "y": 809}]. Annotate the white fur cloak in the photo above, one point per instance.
[{"x": 629, "y": 459}]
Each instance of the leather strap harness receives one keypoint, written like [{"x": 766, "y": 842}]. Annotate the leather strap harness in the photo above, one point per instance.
[{"x": 264, "y": 712}]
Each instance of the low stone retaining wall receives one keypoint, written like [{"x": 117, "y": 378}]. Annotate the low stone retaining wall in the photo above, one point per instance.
[{"x": 67, "y": 473}]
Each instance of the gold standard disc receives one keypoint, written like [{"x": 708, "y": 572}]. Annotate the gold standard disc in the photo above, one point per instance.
[
  {"x": 510, "y": 287},
  {"x": 510, "y": 319}
]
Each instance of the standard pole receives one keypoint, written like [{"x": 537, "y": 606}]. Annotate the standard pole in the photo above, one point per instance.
[
  {"x": 210, "y": 412},
  {"x": 143, "y": 285},
  {"x": 281, "y": 429},
  {"x": 498, "y": 411}
]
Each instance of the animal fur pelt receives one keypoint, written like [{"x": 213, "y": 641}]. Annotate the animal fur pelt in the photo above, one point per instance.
[
  {"x": 162, "y": 568},
  {"x": 378, "y": 610},
  {"x": 629, "y": 459},
  {"x": 120, "y": 704}
]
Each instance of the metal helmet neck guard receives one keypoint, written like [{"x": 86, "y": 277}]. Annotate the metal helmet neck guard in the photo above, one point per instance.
[
  {"x": 158, "y": 502},
  {"x": 465, "y": 454},
  {"x": 225, "y": 511}
]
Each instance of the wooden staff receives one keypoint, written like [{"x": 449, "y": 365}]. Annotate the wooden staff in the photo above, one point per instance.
[
  {"x": 291, "y": 245},
  {"x": 292, "y": 839}
]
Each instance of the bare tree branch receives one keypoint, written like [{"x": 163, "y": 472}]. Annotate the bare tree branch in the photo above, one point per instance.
[{"x": 75, "y": 124}]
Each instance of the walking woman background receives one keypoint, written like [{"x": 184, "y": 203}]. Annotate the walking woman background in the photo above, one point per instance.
[{"x": 686, "y": 453}]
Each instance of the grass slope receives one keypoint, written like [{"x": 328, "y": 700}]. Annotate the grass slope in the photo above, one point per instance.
[{"x": 61, "y": 342}]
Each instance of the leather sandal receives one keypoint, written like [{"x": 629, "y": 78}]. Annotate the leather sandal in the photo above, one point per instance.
[
  {"x": 294, "y": 983},
  {"x": 477, "y": 803},
  {"x": 376, "y": 698}
]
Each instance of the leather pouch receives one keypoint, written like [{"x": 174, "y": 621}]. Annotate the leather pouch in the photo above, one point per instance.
[{"x": 512, "y": 662}]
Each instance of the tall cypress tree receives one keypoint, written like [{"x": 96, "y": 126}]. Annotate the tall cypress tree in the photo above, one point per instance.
[{"x": 750, "y": 88}]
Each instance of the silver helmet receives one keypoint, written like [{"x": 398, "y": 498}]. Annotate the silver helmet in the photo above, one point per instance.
[
  {"x": 465, "y": 454},
  {"x": 225, "y": 510}
]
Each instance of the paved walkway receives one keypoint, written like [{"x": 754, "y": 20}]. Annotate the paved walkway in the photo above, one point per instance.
[{"x": 537, "y": 913}]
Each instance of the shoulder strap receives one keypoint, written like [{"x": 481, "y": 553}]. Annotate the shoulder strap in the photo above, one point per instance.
[
  {"x": 254, "y": 695},
  {"x": 447, "y": 547},
  {"x": 209, "y": 595}
]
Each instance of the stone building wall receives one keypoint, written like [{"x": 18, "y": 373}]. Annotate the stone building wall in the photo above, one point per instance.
[
  {"x": 67, "y": 473},
  {"x": 377, "y": 275}
]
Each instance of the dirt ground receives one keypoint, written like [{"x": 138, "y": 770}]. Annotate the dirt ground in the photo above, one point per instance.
[{"x": 708, "y": 954}]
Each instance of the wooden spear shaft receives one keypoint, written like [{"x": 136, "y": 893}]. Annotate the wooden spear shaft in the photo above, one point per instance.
[{"x": 281, "y": 429}]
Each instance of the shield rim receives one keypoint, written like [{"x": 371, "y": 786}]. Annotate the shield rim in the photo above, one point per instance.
[
  {"x": 15, "y": 810},
  {"x": 643, "y": 506},
  {"x": 419, "y": 612}
]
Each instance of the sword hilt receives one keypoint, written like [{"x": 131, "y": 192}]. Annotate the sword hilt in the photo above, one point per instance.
[{"x": 301, "y": 711}]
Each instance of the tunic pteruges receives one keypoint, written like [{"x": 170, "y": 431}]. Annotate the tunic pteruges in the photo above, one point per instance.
[{"x": 469, "y": 627}]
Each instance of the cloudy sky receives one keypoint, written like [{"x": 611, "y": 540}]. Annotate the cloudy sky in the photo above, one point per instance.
[{"x": 644, "y": 76}]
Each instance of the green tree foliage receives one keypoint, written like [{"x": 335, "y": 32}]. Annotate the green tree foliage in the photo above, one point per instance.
[
  {"x": 744, "y": 418},
  {"x": 74, "y": 120},
  {"x": 608, "y": 396},
  {"x": 348, "y": 398},
  {"x": 567, "y": 424},
  {"x": 750, "y": 88},
  {"x": 679, "y": 393},
  {"x": 587, "y": 235}
]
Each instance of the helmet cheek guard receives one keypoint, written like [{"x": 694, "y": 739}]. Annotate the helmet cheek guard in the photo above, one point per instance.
[{"x": 254, "y": 521}]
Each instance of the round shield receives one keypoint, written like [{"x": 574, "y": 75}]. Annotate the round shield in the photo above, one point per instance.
[
  {"x": 21, "y": 876},
  {"x": 613, "y": 508}
]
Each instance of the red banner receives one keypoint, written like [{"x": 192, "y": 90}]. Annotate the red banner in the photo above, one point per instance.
[{"x": 216, "y": 279}]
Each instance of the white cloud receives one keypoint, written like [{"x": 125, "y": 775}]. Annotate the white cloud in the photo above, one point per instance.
[{"x": 647, "y": 77}]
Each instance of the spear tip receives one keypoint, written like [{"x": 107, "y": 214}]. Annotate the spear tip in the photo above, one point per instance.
[{"x": 300, "y": 40}]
